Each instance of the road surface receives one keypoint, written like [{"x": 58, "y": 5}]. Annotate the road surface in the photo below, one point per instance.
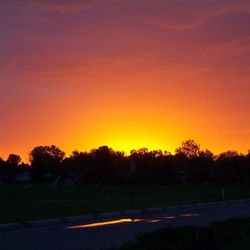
[{"x": 96, "y": 235}]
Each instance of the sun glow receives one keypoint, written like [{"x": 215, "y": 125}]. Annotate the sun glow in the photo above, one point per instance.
[
  {"x": 128, "y": 133},
  {"x": 153, "y": 79}
]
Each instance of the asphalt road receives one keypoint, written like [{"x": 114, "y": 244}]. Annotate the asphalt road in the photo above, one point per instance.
[{"x": 96, "y": 235}]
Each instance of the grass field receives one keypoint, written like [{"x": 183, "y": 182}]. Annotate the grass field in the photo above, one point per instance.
[
  {"x": 22, "y": 204},
  {"x": 232, "y": 234}
]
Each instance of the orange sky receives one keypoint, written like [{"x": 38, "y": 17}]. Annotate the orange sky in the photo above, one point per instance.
[{"x": 127, "y": 74}]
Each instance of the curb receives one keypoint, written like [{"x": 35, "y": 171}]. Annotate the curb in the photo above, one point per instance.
[
  {"x": 108, "y": 215},
  {"x": 10, "y": 226},
  {"x": 171, "y": 207},
  {"x": 85, "y": 218},
  {"x": 154, "y": 209},
  {"x": 211, "y": 203},
  {"x": 41, "y": 223},
  {"x": 187, "y": 205},
  {"x": 78, "y": 218},
  {"x": 132, "y": 212},
  {"x": 201, "y": 204}
]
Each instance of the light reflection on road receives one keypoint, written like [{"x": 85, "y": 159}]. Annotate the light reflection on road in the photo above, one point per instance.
[
  {"x": 189, "y": 215},
  {"x": 130, "y": 220},
  {"x": 105, "y": 223},
  {"x": 170, "y": 217}
]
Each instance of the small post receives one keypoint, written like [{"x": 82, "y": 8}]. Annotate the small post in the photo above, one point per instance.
[{"x": 223, "y": 194}]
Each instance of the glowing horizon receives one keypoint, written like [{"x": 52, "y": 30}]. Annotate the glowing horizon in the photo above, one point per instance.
[{"x": 83, "y": 73}]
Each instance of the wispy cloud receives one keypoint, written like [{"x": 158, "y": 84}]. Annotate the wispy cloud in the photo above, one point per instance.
[
  {"x": 31, "y": 11},
  {"x": 49, "y": 5},
  {"x": 186, "y": 14}
]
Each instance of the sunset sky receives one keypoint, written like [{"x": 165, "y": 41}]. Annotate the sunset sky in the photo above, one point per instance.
[{"x": 124, "y": 73}]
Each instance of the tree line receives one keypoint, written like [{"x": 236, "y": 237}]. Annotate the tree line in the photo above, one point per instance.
[{"x": 104, "y": 165}]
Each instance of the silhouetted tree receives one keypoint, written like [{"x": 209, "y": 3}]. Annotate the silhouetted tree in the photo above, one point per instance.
[
  {"x": 45, "y": 160},
  {"x": 189, "y": 148},
  {"x": 2, "y": 164},
  {"x": 9, "y": 169},
  {"x": 80, "y": 165},
  {"x": 105, "y": 166},
  {"x": 229, "y": 167},
  {"x": 201, "y": 167},
  {"x": 14, "y": 160}
]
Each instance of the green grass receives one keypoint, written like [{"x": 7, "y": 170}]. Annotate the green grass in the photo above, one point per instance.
[
  {"x": 22, "y": 204},
  {"x": 165, "y": 239},
  {"x": 232, "y": 234}
]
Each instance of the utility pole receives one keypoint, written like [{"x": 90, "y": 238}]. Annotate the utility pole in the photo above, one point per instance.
[{"x": 132, "y": 183}]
